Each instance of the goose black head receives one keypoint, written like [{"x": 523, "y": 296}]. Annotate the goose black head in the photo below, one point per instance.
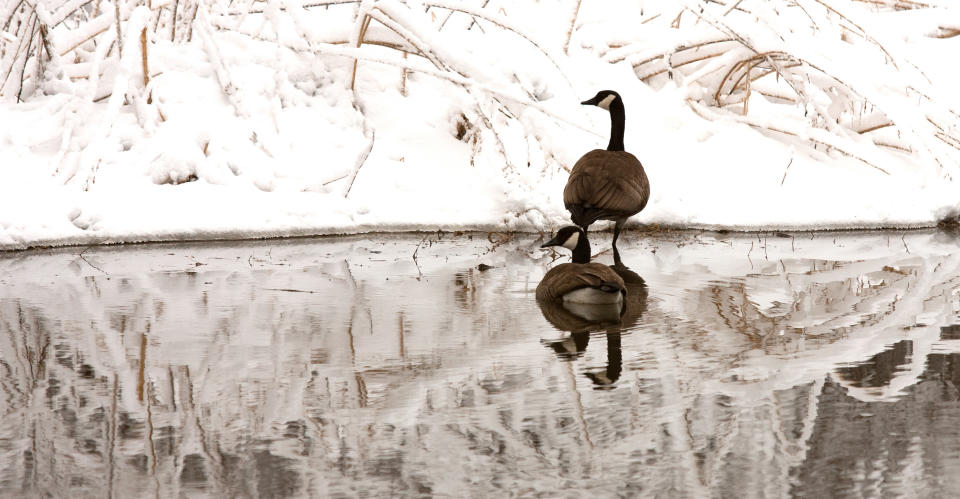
[
  {"x": 568, "y": 237},
  {"x": 603, "y": 99},
  {"x": 574, "y": 239}
]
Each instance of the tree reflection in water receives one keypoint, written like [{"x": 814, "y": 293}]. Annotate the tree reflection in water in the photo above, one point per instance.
[{"x": 818, "y": 365}]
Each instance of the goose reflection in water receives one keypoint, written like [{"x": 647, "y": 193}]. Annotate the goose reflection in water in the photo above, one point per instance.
[{"x": 582, "y": 319}]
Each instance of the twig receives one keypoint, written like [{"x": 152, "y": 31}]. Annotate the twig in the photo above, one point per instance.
[
  {"x": 21, "y": 38},
  {"x": 415, "y": 250},
  {"x": 503, "y": 23},
  {"x": 88, "y": 261},
  {"x": 13, "y": 12},
  {"x": 731, "y": 7},
  {"x": 863, "y": 32},
  {"x": 26, "y": 57},
  {"x": 785, "y": 170},
  {"x": 359, "y": 164},
  {"x": 441, "y": 72}
]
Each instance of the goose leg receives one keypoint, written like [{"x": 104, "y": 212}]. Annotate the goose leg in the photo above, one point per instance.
[{"x": 616, "y": 234}]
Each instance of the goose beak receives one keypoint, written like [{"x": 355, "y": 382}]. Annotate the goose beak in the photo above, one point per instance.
[
  {"x": 590, "y": 102},
  {"x": 552, "y": 242}
]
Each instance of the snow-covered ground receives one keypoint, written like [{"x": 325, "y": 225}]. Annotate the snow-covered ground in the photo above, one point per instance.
[{"x": 757, "y": 114}]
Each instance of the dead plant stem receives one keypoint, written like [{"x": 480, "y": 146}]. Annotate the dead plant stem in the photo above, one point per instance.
[{"x": 573, "y": 23}]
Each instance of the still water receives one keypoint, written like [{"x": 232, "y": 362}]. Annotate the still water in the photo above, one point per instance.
[{"x": 749, "y": 365}]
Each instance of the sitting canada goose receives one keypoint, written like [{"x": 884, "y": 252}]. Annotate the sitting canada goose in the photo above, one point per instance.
[
  {"x": 607, "y": 184},
  {"x": 580, "y": 281}
]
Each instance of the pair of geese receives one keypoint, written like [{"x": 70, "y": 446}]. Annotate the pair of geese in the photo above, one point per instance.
[{"x": 605, "y": 184}]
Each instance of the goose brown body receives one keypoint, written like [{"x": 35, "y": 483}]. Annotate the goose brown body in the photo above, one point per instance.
[
  {"x": 606, "y": 185},
  {"x": 569, "y": 277},
  {"x": 581, "y": 281}
]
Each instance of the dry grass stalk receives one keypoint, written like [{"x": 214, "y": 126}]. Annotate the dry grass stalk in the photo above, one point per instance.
[
  {"x": 364, "y": 24},
  {"x": 442, "y": 71},
  {"x": 191, "y": 21},
  {"x": 676, "y": 21},
  {"x": 862, "y": 32},
  {"x": 741, "y": 69},
  {"x": 359, "y": 163},
  {"x": 746, "y": 98},
  {"x": 891, "y": 145},
  {"x": 22, "y": 36},
  {"x": 477, "y": 139},
  {"x": 503, "y": 23},
  {"x": 721, "y": 26},
  {"x": 875, "y": 127},
  {"x": 897, "y": 4},
  {"x": 81, "y": 42},
  {"x": 573, "y": 23},
  {"x": 219, "y": 67},
  {"x": 733, "y": 5},
  {"x": 367, "y": 40},
  {"x": 143, "y": 59},
  {"x": 403, "y": 78},
  {"x": 306, "y": 5},
  {"x": 678, "y": 50},
  {"x": 647, "y": 76},
  {"x": 173, "y": 21},
  {"x": 47, "y": 44},
  {"x": 13, "y": 13},
  {"x": 651, "y": 18},
  {"x": 824, "y": 140},
  {"x": 116, "y": 22},
  {"x": 26, "y": 57}
]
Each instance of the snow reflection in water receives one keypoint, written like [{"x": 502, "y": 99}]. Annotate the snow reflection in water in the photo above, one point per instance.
[{"x": 815, "y": 365}]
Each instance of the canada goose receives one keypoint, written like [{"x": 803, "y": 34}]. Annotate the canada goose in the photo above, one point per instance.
[
  {"x": 580, "y": 281},
  {"x": 582, "y": 319},
  {"x": 607, "y": 184}
]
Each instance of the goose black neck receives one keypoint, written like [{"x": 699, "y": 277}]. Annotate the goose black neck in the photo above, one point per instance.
[
  {"x": 617, "y": 119},
  {"x": 581, "y": 253}
]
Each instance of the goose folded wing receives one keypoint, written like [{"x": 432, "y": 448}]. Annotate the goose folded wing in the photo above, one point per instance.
[
  {"x": 599, "y": 275},
  {"x": 605, "y": 192}
]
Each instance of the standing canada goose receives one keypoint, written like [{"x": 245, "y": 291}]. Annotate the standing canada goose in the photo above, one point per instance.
[
  {"x": 580, "y": 281},
  {"x": 607, "y": 184}
]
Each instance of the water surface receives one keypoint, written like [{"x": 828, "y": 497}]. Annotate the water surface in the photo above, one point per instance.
[{"x": 745, "y": 365}]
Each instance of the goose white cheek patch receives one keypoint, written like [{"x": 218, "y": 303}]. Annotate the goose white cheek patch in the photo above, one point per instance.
[
  {"x": 572, "y": 241},
  {"x": 605, "y": 103}
]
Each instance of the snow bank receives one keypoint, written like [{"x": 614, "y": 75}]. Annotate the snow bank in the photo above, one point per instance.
[{"x": 466, "y": 115}]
